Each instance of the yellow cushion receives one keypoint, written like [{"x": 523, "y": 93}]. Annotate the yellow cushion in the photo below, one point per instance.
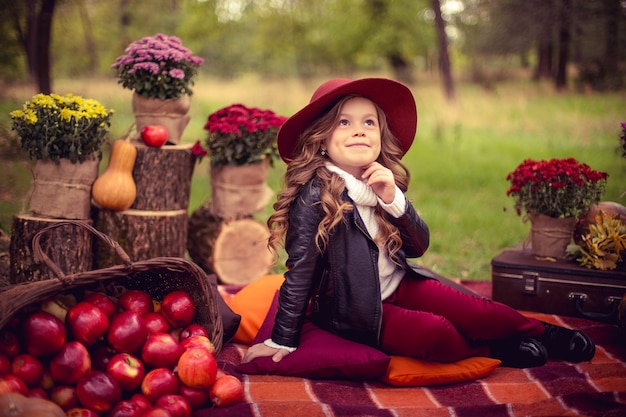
[
  {"x": 252, "y": 303},
  {"x": 411, "y": 372}
]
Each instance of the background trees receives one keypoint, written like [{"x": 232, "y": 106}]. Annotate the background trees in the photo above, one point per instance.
[{"x": 561, "y": 40}]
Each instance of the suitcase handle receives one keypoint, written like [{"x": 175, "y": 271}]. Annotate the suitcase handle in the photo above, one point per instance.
[{"x": 578, "y": 299}]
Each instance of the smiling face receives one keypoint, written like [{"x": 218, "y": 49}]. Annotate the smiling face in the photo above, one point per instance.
[{"x": 355, "y": 140}]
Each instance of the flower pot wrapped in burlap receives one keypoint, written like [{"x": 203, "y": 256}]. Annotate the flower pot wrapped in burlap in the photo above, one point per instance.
[
  {"x": 171, "y": 113},
  {"x": 63, "y": 190},
  {"x": 550, "y": 236},
  {"x": 239, "y": 190}
]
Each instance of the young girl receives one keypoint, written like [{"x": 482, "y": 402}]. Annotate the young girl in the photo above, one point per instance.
[{"x": 349, "y": 230}]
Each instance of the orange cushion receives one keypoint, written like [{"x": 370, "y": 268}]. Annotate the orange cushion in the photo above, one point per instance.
[
  {"x": 411, "y": 372},
  {"x": 252, "y": 303}
]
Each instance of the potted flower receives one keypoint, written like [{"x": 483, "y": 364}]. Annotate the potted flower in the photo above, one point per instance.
[
  {"x": 553, "y": 194},
  {"x": 160, "y": 71},
  {"x": 64, "y": 134},
  {"x": 241, "y": 142}
]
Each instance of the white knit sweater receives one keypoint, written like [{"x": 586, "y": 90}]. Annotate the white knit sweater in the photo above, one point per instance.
[{"x": 365, "y": 201}]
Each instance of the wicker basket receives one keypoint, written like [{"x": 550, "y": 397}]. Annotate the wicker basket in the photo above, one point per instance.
[{"x": 157, "y": 276}]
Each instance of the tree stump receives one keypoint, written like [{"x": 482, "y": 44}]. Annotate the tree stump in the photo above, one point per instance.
[
  {"x": 142, "y": 234},
  {"x": 156, "y": 223},
  {"x": 163, "y": 176},
  {"x": 202, "y": 231},
  {"x": 69, "y": 247},
  {"x": 234, "y": 249}
]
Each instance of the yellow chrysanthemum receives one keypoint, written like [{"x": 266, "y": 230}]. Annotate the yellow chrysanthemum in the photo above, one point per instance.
[
  {"x": 42, "y": 100},
  {"x": 66, "y": 114}
]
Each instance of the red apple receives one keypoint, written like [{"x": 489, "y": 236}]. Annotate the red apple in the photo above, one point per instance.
[
  {"x": 226, "y": 391},
  {"x": 44, "y": 334},
  {"x": 80, "y": 412},
  {"x": 156, "y": 323},
  {"x": 127, "y": 332},
  {"x": 11, "y": 383},
  {"x": 176, "y": 331},
  {"x": 178, "y": 308},
  {"x": 198, "y": 341},
  {"x": 176, "y": 405},
  {"x": 197, "y": 368},
  {"x": 159, "y": 382},
  {"x": 64, "y": 396},
  {"x": 193, "y": 330},
  {"x": 98, "y": 391},
  {"x": 196, "y": 397},
  {"x": 101, "y": 354},
  {"x": 154, "y": 135},
  {"x": 136, "y": 300},
  {"x": 126, "y": 408},
  {"x": 46, "y": 380},
  {"x": 127, "y": 370},
  {"x": 5, "y": 365},
  {"x": 87, "y": 323},
  {"x": 28, "y": 368},
  {"x": 70, "y": 364},
  {"x": 102, "y": 301},
  {"x": 156, "y": 412},
  {"x": 141, "y": 400},
  {"x": 58, "y": 305},
  {"x": 38, "y": 392},
  {"x": 9, "y": 343},
  {"x": 161, "y": 350}
]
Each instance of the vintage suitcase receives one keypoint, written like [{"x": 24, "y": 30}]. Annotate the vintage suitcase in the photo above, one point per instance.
[{"x": 524, "y": 282}]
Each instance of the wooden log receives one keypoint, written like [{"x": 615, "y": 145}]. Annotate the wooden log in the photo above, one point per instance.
[
  {"x": 234, "y": 249},
  {"x": 163, "y": 176},
  {"x": 142, "y": 234},
  {"x": 241, "y": 255},
  {"x": 202, "y": 231},
  {"x": 69, "y": 247}
]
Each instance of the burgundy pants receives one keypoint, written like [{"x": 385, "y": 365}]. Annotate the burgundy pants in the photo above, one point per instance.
[{"x": 429, "y": 320}]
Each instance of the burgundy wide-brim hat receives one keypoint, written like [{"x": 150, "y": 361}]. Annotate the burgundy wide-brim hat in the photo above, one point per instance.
[{"x": 394, "y": 98}]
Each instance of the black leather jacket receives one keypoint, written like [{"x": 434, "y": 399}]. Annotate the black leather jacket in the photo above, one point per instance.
[{"x": 342, "y": 283}]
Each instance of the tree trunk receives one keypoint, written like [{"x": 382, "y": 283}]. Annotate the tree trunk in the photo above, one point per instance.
[
  {"x": 69, "y": 247},
  {"x": 611, "y": 46},
  {"x": 560, "y": 80},
  {"x": 142, "y": 234},
  {"x": 31, "y": 35},
  {"x": 90, "y": 45},
  {"x": 163, "y": 177},
  {"x": 37, "y": 42},
  {"x": 445, "y": 67},
  {"x": 234, "y": 249},
  {"x": 545, "y": 49}
]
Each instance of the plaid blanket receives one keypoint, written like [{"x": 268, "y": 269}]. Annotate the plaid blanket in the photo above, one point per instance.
[{"x": 597, "y": 388}]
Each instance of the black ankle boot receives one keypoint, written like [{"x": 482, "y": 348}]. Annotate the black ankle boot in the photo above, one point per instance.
[
  {"x": 520, "y": 352},
  {"x": 566, "y": 344}
]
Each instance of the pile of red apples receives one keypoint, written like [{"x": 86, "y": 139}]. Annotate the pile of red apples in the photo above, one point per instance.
[{"x": 131, "y": 356}]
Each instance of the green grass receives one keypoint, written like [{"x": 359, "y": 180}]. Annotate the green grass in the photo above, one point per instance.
[{"x": 459, "y": 161}]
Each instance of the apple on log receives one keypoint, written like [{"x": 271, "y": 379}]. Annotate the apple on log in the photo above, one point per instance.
[{"x": 154, "y": 135}]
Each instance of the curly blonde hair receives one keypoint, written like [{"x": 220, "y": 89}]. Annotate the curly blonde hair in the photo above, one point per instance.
[{"x": 308, "y": 163}]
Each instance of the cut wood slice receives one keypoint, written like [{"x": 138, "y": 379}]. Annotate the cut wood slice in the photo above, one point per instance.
[{"x": 240, "y": 253}]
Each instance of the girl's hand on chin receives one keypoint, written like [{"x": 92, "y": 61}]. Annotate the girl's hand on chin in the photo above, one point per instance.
[{"x": 381, "y": 180}]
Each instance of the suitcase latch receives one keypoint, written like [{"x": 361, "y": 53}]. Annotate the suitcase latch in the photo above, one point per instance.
[{"x": 530, "y": 282}]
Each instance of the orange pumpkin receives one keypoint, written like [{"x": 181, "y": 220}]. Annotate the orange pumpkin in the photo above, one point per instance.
[
  {"x": 610, "y": 208},
  {"x": 115, "y": 189}
]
